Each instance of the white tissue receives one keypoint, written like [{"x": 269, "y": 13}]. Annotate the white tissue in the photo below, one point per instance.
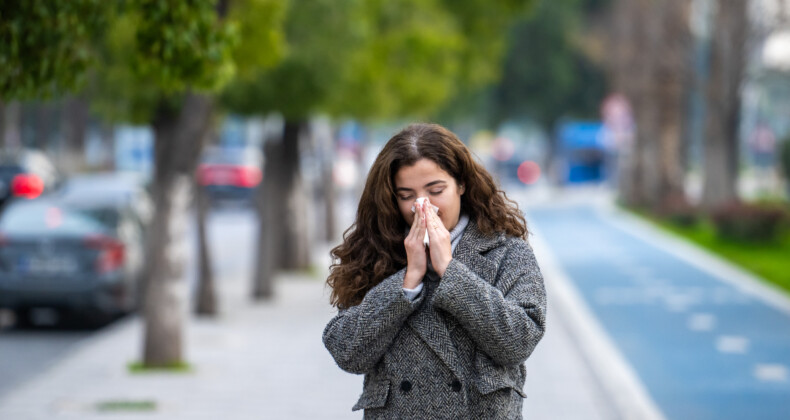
[{"x": 421, "y": 200}]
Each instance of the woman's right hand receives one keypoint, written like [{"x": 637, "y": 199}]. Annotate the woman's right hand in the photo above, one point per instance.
[{"x": 416, "y": 251}]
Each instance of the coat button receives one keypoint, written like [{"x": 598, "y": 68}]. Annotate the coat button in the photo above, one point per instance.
[
  {"x": 405, "y": 386},
  {"x": 456, "y": 385}
]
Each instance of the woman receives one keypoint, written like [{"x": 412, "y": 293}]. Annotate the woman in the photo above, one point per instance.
[{"x": 441, "y": 331}]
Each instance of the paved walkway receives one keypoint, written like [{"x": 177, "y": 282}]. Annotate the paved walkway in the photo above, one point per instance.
[{"x": 266, "y": 361}]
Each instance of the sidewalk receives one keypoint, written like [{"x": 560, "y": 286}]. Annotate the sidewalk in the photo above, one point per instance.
[{"x": 267, "y": 361}]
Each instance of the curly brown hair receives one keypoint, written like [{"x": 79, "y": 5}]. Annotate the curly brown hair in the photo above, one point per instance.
[{"x": 373, "y": 247}]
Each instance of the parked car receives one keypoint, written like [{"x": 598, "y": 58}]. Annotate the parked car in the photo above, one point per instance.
[
  {"x": 27, "y": 174},
  {"x": 230, "y": 173},
  {"x": 81, "y": 259},
  {"x": 127, "y": 192}
]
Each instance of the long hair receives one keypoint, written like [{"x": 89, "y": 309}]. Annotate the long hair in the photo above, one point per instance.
[{"x": 373, "y": 248}]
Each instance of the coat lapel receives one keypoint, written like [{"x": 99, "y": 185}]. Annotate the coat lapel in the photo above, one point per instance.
[
  {"x": 473, "y": 244},
  {"x": 429, "y": 323}
]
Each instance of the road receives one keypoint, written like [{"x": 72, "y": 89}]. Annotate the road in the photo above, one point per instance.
[{"x": 28, "y": 353}]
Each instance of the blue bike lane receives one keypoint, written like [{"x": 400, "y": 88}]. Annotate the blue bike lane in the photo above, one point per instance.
[{"x": 702, "y": 347}]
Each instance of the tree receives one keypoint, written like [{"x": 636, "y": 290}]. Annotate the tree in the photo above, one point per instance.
[
  {"x": 362, "y": 59},
  {"x": 545, "y": 74},
  {"x": 45, "y": 52},
  {"x": 181, "y": 53},
  {"x": 720, "y": 146},
  {"x": 158, "y": 56},
  {"x": 654, "y": 83}
]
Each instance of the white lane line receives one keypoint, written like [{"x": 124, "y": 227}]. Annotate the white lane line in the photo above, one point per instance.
[
  {"x": 701, "y": 322},
  {"x": 620, "y": 381},
  {"x": 771, "y": 372},
  {"x": 733, "y": 344}
]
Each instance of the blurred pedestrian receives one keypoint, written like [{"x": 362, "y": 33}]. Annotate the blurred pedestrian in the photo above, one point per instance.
[{"x": 439, "y": 325}]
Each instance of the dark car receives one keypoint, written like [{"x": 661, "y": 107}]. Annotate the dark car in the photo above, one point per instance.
[
  {"x": 83, "y": 260},
  {"x": 26, "y": 174},
  {"x": 127, "y": 192},
  {"x": 230, "y": 173}
]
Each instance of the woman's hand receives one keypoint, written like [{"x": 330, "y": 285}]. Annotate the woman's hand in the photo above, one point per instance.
[
  {"x": 416, "y": 253},
  {"x": 441, "y": 250}
]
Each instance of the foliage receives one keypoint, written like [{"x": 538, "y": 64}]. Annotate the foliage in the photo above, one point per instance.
[
  {"x": 318, "y": 37},
  {"x": 47, "y": 45},
  {"x": 132, "y": 87},
  {"x": 545, "y": 74},
  {"x": 750, "y": 222},
  {"x": 484, "y": 24},
  {"x": 181, "y": 44},
  {"x": 374, "y": 58},
  {"x": 409, "y": 64},
  {"x": 115, "y": 92},
  {"x": 261, "y": 39}
]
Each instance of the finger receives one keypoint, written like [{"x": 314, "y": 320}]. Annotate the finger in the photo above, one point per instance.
[
  {"x": 415, "y": 222},
  {"x": 433, "y": 219},
  {"x": 421, "y": 227}
]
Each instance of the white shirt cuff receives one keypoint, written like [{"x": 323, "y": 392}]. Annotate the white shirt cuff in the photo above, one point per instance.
[{"x": 412, "y": 294}]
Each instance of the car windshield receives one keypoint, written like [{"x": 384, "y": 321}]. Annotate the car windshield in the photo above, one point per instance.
[
  {"x": 231, "y": 156},
  {"x": 8, "y": 171},
  {"x": 49, "y": 219},
  {"x": 107, "y": 216}
]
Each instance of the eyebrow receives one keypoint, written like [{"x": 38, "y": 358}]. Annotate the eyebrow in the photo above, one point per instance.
[{"x": 428, "y": 185}]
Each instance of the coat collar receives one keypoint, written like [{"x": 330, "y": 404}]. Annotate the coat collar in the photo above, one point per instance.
[
  {"x": 475, "y": 242},
  {"x": 430, "y": 324},
  {"x": 473, "y": 245}
]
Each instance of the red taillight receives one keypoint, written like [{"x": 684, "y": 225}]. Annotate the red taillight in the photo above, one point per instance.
[
  {"x": 27, "y": 186},
  {"x": 204, "y": 174},
  {"x": 111, "y": 252},
  {"x": 239, "y": 176},
  {"x": 248, "y": 176}
]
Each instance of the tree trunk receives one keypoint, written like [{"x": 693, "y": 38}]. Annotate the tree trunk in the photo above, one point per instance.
[
  {"x": 283, "y": 238},
  {"x": 43, "y": 126},
  {"x": 107, "y": 135},
  {"x": 630, "y": 73},
  {"x": 330, "y": 202},
  {"x": 724, "y": 103},
  {"x": 177, "y": 150},
  {"x": 323, "y": 136},
  {"x": 2, "y": 125},
  {"x": 672, "y": 75},
  {"x": 650, "y": 66},
  {"x": 206, "y": 294},
  {"x": 12, "y": 126},
  {"x": 295, "y": 239},
  {"x": 74, "y": 125}
]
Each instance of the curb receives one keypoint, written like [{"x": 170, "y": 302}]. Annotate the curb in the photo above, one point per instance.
[
  {"x": 621, "y": 384},
  {"x": 700, "y": 258}
]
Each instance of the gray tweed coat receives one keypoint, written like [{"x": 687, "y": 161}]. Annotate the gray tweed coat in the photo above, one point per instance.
[{"x": 458, "y": 350}]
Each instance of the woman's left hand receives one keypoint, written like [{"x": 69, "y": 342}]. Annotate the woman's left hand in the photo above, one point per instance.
[{"x": 440, "y": 249}]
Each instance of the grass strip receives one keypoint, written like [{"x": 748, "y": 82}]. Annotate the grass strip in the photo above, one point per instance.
[
  {"x": 126, "y": 406},
  {"x": 179, "y": 367}
]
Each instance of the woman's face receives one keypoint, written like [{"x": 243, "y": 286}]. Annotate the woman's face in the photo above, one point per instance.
[{"x": 426, "y": 179}]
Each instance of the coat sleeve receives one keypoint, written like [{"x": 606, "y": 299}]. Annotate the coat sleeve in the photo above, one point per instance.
[
  {"x": 507, "y": 319},
  {"x": 358, "y": 337}
]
